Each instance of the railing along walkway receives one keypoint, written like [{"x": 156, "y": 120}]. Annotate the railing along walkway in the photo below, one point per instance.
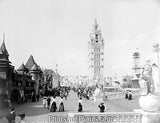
[{"x": 108, "y": 96}]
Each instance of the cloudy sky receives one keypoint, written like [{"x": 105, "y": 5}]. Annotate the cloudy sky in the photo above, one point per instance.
[{"x": 57, "y": 32}]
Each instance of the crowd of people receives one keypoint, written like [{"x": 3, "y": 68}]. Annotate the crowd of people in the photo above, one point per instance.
[
  {"x": 49, "y": 101},
  {"x": 86, "y": 92}
]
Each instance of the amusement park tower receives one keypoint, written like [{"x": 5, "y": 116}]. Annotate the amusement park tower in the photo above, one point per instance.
[
  {"x": 96, "y": 56},
  {"x": 136, "y": 58}
]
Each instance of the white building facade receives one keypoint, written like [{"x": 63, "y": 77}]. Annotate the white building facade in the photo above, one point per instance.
[{"x": 96, "y": 56}]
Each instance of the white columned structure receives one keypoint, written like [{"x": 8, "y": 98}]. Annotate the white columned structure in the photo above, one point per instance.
[
  {"x": 96, "y": 56},
  {"x": 136, "y": 58}
]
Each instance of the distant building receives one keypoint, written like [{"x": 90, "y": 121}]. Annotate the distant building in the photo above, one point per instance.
[
  {"x": 26, "y": 80},
  {"x": 136, "y": 67},
  {"x": 22, "y": 84},
  {"x": 96, "y": 56},
  {"x": 56, "y": 80},
  {"x": 51, "y": 78},
  {"x": 65, "y": 81},
  {"x": 36, "y": 73},
  {"x": 136, "y": 70},
  {"x": 14, "y": 84},
  {"x": 48, "y": 78}
]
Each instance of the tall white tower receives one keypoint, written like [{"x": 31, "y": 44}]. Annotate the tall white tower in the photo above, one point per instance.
[
  {"x": 96, "y": 56},
  {"x": 136, "y": 68}
]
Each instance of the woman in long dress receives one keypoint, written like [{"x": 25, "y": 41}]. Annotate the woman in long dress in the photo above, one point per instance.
[
  {"x": 48, "y": 102},
  {"x": 129, "y": 95},
  {"x": 61, "y": 105},
  {"x": 53, "y": 106},
  {"x": 80, "y": 104}
]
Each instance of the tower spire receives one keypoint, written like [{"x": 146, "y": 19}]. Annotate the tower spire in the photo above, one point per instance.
[
  {"x": 95, "y": 23},
  {"x": 3, "y": 37},
  {"x": 3, "y": 49}
]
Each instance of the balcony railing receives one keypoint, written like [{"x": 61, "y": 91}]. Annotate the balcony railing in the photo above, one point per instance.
[{"x": 110, "y": 95}]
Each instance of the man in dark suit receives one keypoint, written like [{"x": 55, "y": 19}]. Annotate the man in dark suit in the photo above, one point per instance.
[{"x": 102, "y": 107}]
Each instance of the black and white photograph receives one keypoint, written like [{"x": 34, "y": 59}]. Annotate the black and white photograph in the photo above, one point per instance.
[{"x": 79, "y": 61}]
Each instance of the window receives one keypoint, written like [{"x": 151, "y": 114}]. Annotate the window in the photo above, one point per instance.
[{"x": 96, "y": 36}]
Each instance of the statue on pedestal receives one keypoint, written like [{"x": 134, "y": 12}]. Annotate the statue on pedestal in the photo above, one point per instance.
[
  {"x": 149, "y": 83},
  {"x": 146, "y": 81}
]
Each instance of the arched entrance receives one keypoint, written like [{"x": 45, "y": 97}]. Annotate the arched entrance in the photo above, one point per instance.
[{"x": 15, "y": 96}]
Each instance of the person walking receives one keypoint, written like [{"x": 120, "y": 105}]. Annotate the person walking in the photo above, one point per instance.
[
  {"x": 130, "y": 95},
  {"x": 11, "y": 116},
  {"x": 61, "y": 105},
  {"x": 44, "y": 102},
  {"x": 126, "y": 95},
  {"x": 80, "y": 105},
  {"x": 48, "y": 102},
  {"x": 33, "y": 97},
  {"x": 53, "y": 106},
  {"x": 37, "y": 97}
]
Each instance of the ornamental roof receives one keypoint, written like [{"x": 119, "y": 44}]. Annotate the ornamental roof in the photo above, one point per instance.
[
  {"x": 3, "y": 49},
  {"x": 22, "y": 68},
  {"x": 34, "y": 68},
  {"x": 30, "y": 62}
]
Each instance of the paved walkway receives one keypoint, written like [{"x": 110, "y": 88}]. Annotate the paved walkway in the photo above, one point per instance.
[{"x": 35, "y": 112}]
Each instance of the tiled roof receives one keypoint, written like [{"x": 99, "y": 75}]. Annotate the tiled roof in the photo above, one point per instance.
[
  {"x": 30, "y": 63},
  {"x": 40, "y": 69},
  {"x": 22, "y": 68},
  {"x": 34, "y": 68}
]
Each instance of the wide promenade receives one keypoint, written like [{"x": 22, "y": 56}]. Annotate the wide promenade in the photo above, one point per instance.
[{"x": 35, "y": 113}]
